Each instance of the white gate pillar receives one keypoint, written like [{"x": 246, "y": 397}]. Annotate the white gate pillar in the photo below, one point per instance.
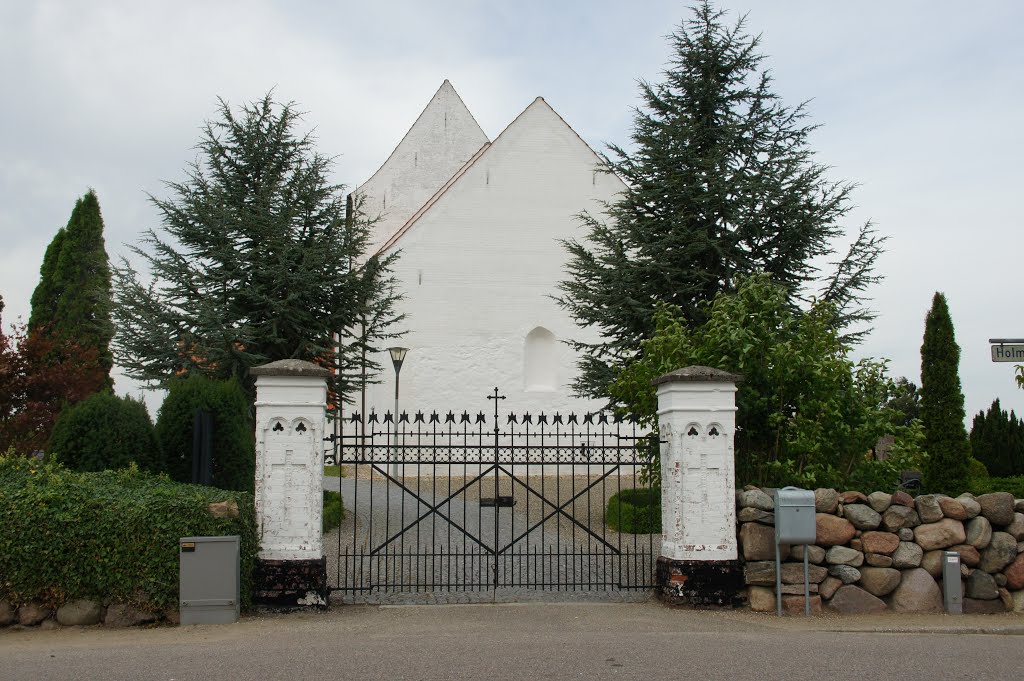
[
  {"x": 699, "y": 563},
  {"x": 291, "y": 402}
]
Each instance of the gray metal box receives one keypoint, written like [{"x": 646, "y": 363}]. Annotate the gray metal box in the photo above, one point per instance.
[
  {"x": 209, "y": 580},
  {"x": 794, "y": 516},
  {"x": 952, "y": 592}
]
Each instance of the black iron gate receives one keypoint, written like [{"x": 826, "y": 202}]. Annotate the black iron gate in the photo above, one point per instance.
[{"x": 456, "y": 502}]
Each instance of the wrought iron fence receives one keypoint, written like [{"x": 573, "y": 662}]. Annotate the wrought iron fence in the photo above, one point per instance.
[{"x": 446, "y": 501}]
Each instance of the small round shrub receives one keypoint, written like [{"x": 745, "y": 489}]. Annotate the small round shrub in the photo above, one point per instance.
[
  {"x": 636, "y": 511},
  {"x": 234, "y": 447},
  {"x": 105, "y": 432}
]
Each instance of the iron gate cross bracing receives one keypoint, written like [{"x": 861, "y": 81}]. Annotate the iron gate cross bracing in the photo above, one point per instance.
[{"x": 554, "y": 524}]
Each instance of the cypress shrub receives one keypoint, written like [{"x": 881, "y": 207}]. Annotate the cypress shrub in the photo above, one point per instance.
[
  {"x": 105, "y": 432},
  {"x": 234, "y": 449},
  {"x": 942, "y": 404},
  {"x": 110, "y": 536}
]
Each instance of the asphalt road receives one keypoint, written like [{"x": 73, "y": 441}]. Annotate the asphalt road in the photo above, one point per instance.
[{"x": 534, "y": 641}]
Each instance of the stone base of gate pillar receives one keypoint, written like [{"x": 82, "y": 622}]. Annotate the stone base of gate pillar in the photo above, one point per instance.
[
  {"x": 700, "y": 583},
  {"x": 291, "y": 583}
]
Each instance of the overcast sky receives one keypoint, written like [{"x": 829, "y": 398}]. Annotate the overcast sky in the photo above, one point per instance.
[{"x": 920, "y": 103}]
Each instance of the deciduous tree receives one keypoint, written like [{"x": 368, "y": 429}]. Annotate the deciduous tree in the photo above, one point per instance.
[
  {"x": 39, "y": 376},
  {"x": 807, "y": 413}
]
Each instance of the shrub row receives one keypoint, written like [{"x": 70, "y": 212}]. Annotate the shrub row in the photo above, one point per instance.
[
  {"x": 106, "y": 536},
  {"x": 234, "y": 453},
  {"x": 105, "y": 432},
  {"x": 1014, "y": 486}
]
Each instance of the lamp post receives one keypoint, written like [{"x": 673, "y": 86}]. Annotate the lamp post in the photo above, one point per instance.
[{"x": 397, "y": 358}]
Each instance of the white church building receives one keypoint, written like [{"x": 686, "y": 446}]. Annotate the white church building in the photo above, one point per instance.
[{"x": 479, "y": 225}]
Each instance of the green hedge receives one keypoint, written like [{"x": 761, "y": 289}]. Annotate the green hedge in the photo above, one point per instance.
[
  {"x": 111, "y": 535},
  {"x": 105, "y": 432},
  {"x": 234, "y": 449},
  {"x": 636, "y": 511},
  {"x": 1013, "y": 485}
]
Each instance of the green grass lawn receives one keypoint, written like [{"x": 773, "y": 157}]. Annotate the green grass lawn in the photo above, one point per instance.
[{"x": 332, "y": 471}]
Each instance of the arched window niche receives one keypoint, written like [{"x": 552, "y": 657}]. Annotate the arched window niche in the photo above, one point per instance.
[{"x": 540, "y": 366}]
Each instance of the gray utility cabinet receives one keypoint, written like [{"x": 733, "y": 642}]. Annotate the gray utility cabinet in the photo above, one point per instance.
[{"x": 209, "y": 573}]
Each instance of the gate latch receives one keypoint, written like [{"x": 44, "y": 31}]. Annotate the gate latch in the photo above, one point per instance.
[{"x": 501, "y": 501}]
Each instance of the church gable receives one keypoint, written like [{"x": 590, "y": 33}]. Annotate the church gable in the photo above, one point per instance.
[
  {"x": 532, "y": 180},
  {"x": 480, "y": 263},
  {"x": 440, "y": 142}
]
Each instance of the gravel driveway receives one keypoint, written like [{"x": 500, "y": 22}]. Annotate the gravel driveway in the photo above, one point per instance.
[{"x": 453, "y": 546}]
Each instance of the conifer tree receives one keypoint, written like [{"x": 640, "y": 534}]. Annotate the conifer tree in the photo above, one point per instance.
[
  {"x": 942, "y": 404},
  {"x": 72, "y": 300},
  {"x": 256, "y": 261},
  {"x": 997, "y": 440},
  {"x": 722, "y": 184}
]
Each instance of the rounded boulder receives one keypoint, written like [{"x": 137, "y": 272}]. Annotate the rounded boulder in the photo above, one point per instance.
[
  {"x": 917, "y": 592},
  {"x": 997, "y": 507},
  {"x": 832, "y": 530},
  {"x": 862, "y": 516},
  {"x": 1001, "y": 551},
  {"x": 879, "y": 581},
  {"x": 946, "y": 532},
  {"x": 880, "y": 542}
]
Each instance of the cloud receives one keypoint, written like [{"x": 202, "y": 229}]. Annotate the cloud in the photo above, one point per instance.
[{"x": 919, "y": 103}]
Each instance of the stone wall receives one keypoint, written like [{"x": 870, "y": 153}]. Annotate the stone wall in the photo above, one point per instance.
[
  {"x": 80, "y": 612},
  {"x": 883, "y": 552}
]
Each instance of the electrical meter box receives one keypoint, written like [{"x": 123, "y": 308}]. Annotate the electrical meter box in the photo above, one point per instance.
[
  {"x": 794, "y": 516},
  {"x": 209, "y": 580},
  {"x": 952, "y": 593}
]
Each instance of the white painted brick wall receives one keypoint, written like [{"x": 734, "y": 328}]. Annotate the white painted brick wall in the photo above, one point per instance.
[{"x": 480, "y": 266}]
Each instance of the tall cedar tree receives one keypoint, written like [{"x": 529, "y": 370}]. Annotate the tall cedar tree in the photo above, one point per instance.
[
  {"x": 256, "y": 262},
  {"x": 721, "y": 184},
  {"x": 942, "y": 404},
  {"x": 72, "y": 300},
  {"x": 997, "y": 440},
  {"x": 38, "y": 377}
]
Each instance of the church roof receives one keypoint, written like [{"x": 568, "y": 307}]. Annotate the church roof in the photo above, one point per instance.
[
  {"x": 538, "y": 108},
  {"x": 438, "y": 144}
]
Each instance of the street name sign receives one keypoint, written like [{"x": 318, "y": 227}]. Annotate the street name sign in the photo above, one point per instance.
[{"x": 1008, "y": 353}]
